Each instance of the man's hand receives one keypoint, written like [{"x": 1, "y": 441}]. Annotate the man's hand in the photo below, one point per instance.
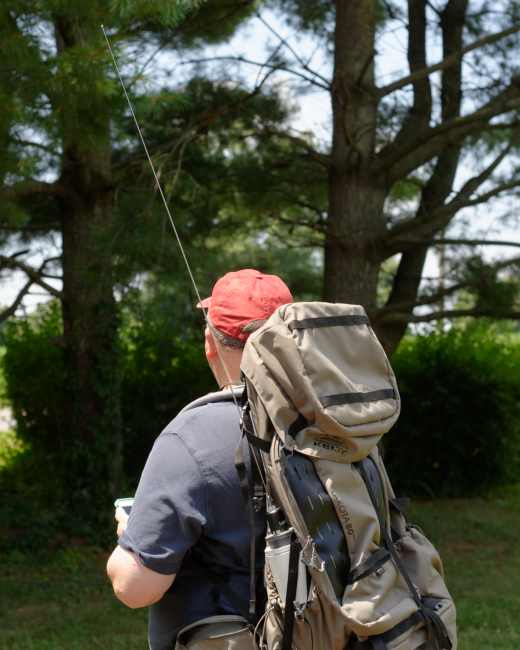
[{"x": 122, "y": 520}]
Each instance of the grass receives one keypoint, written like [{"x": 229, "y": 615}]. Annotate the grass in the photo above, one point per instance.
[
  {"x": 62, "y": 601},
  {"x": 478, "y": 540}
]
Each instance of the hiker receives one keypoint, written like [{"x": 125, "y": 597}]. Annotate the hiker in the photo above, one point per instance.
[{"x": 184, "y": 550}]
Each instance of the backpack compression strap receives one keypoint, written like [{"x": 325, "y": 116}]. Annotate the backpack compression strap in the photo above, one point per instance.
[{"x": 437, "y": 633}]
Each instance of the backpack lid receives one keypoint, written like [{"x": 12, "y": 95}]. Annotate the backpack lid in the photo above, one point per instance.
[{"x": 317, "y": 375}]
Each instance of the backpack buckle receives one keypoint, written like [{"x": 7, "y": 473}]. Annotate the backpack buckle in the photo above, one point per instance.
[{"x": 258, "y": 498}]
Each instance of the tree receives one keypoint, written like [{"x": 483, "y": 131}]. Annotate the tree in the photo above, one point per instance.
[
  {"x": 365, "y": 168},
  {"x": 387, "y": 186},
  {"x": 61, "y": 120},
  {"x": 396, "y": 173}
]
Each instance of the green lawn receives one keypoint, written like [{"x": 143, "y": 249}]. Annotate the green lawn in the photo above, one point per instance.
[
  {"x": 65, "y": 603},
  {"x": 478, "y": 540}
]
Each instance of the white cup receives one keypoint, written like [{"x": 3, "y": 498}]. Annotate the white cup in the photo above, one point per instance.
[{"x": 125, "y": 504}]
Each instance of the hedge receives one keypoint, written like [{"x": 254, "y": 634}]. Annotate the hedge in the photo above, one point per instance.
[
  {"x": 458, "y": 434},
  {"x": 459, "y": 429}
]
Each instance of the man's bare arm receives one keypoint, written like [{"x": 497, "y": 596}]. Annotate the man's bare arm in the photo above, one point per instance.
[{"x": 134, "y": 584}]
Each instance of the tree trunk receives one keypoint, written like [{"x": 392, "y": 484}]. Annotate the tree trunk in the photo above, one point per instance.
[
  {"x": 89, "y": 310},
  {"x": 91, "y": 348},
  {"x": 355, "y": 215},
  {"x": 352, "y": 257}
]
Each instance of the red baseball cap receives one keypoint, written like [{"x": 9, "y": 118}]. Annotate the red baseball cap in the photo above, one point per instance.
[{"x": 242, "y": 297}]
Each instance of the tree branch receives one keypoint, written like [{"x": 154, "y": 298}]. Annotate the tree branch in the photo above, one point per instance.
[
  {"x": 449, "y": 313},
  {"x": 483, "y": 198},
  {"x": 9, "y": 262},
  {"x": 321, "y": 158},
  {"x": 397, "y": 162},
  {"x": 406, "y": 282},
  {"x": 259, "y": 64},
  {"x": 38, "y": 145},
  {"x": 298, "y": 58},
  {"x": 447, "y": 62},
  {"x": 388, "y": 310},
  {"x": 425, "y": 224},
  {"x": 464, "y": 242},
  {"x": 418, "y": 117},
  {"x": 11, "y": 310},
  {"x": 29, "y": 189}
]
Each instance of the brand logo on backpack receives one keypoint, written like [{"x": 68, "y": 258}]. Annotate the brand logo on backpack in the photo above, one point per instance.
[
  {"x": 329, "y": 443},
  {"x": 344, "y": 515}
]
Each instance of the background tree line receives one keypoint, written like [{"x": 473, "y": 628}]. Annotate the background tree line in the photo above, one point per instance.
[{"x": 348, "y": 220}]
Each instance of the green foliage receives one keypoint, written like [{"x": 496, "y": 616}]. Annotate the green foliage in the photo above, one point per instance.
[
  {"x": 10, "y": 448},
  {"x": 492, "y": 293},
  {"x": 170, "y": 13},
  {"x": 165, "y": 369},
  {"x": 459, "y": 430},
  {"x": 313, "y": 17},
  {"x": 34, "y": 373},
  {"x": 73, "y": 483}
]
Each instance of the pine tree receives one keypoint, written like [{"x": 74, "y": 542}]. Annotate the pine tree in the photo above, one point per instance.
[{"x": 61, "y": 126}]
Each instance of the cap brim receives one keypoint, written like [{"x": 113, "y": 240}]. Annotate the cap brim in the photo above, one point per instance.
[{"x": 204, "y": 304}]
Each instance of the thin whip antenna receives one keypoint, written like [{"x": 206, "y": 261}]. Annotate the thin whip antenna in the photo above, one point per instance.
[
  {"x": 179, "y": 242},
  {"x": 159, "y": 187}
]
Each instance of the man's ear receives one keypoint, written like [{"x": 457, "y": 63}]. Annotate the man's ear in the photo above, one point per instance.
[{"x": 210, "y": 347}]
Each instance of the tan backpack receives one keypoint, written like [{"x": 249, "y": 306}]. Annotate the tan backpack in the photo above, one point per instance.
[{"x": 344, "y": 568}]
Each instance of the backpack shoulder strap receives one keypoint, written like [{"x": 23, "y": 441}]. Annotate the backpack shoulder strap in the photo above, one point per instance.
[{"x": 218, "y": 396}]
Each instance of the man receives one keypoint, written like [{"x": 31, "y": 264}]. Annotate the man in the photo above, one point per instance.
[{"x": 185, "y": 547}]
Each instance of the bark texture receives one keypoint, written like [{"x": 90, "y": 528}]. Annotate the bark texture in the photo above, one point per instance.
[
  {"x": 89, "y": 309},
  {"x": 355, "y": 212}
]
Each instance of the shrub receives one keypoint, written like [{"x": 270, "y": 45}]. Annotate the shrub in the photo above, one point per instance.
[
  {"x": 163, "y": 369},
  {"x": 459, "y": 430},
  {"x": 34, "y": 374},
  {"x": 162, "y": 373}
]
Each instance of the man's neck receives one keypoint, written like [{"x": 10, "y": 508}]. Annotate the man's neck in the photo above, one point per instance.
[{"x": 230, "y": 386}]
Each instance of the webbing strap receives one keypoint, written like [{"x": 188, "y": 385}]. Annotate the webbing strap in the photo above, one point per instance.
[
  {"x": 298, "y": 424},
  {"x": 246, "y": 490},
  {"x": 378, "y": 644},
  {"x": 260, "y": 443},
  {"x": 371, "y": 565},
  {"x": 436, "y": 629},
  {"x": 355, "y": 398},
  {"x": 388, "y": 542},
  {"x": 292, "y": 581},
  {"x": 328, "y": 321},
  {"x": 381, "y": 640}
]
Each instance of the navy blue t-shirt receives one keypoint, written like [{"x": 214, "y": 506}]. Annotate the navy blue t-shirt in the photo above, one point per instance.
[{"x": 189, "y": 519}]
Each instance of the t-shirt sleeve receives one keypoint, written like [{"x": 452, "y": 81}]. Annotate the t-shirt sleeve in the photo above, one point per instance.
[{"x": 169, "y": 510}]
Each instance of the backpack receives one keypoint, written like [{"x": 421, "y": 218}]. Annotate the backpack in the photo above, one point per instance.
[{"x": 344, "y": 568}]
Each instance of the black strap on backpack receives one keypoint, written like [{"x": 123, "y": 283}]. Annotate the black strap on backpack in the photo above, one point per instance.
[
  {"x": 290, "y": 596},
  {"x": 437, "y": 633},
  {"x": 250, "y": 485},
  {"x": 253, "y": 495}
]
